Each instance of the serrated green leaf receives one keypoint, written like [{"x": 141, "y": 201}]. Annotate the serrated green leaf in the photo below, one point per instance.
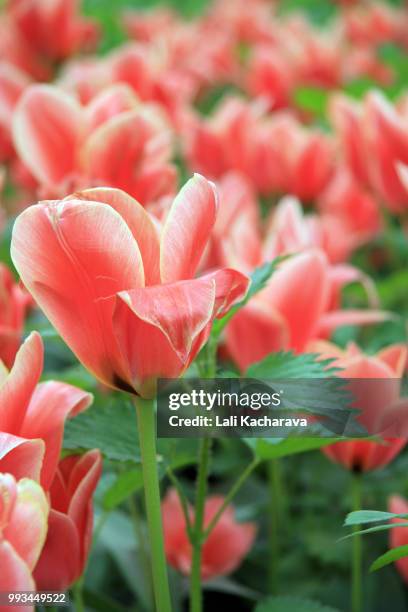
[
  {"x": 124, "y": 486},
  {"x": 110, "y": 427},
  {"x": 399, "y": 552},
  {"x": 370, "y": 516},
  {"x": 288, "y": 603},
  {"x": 285, "y": 365}
]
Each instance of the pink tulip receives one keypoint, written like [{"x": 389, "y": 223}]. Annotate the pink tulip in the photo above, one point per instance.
[
  {"x": 70, "y": 522},
  {"x": 112, "y": 281},
  {"x": 270, "y": 75},
  {"x": 399, "y": 535},
  {"x": 374, "y": 139},
  {"x": 375, "y": 400},
  {"x": 33, "y": 411},
  {"x": 14, "y": 303},
  {"x": 12, "y": 84},
  {"x": 289, "y": 313},
  {"x": 23, "y": 519},
  {"x": 113, "y": 140},
  {"x": 225, "y": 547}
]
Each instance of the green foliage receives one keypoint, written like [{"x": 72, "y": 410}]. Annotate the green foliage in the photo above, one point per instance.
[
  {"x": 399, "y": 552},
  {"x": 287, "y": 602}
]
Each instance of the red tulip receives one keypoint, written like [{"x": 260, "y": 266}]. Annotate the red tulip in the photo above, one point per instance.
[
  {"x": 33, "y": 411},
  {"x": 113, "y": 140},
  {"x": 12, "y": 84},
  {"x": 122, "y": 296},
  {"x": 399, "y": 535},
  {"x": 52, "y": 31},
  {"x": 375, "y": 399},
  {"x": 65, "y": 553},
  {"x": 225, "y": 547},
  {"x": 23, "y": 520}
]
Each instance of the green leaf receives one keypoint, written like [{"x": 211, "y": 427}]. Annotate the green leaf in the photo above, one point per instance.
[
  {"x": 111, "y": 427},
  {"x": 370, "y": 516},
  {"x": 124, "y": 486},
  {"x": 289, "y": 603},
  {"x": 285, "y": 365},
  {"x": 389, "y": 557},
  {"x": 274, "y": 448},
  {"x": 374, "y": 530},
  {"x": 312, "y": 99}
]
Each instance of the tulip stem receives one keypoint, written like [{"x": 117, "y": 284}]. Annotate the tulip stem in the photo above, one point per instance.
[
  {"x": 275, "y": 514},
  {"x": 147, "y": 438},
  {"x": 78, "y": 597},
  {"x": 357, "y": 551},
  {"x": 197, "y": 544}
]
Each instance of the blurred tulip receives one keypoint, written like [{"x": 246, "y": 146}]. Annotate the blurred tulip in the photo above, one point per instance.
[
  {"x": 374, "y": 139},
  {"x": 399, "y": 535},
  {"x": 52, "y": 31},
  {"x": 12, "y": 84},
  {"x": 35, "y": 411},
  {"x": 113, "y": 140},
  {"x": 14, "y": 302},
  {"x": 23, "y": 519},
  {"x": 113, "y": 281},
  {"x": 70, "y": 522},
  {"x": 373, "y": 397},
  {"x": 222, "y": 552}
]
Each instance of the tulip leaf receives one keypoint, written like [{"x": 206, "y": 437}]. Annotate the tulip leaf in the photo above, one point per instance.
[
  {"x": 374, "y": 530},
  {"x": 276, "y": 448},
  {"x": 312, "y": 99},
  {"x": 370, "y": 516},
  {"x": 287, "y": 602},
  {"x": 389, "y": 557}
]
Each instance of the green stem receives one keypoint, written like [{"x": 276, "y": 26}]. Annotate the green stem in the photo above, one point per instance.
[
  {"x": 195, "y": 580},
  {"x": 275, "y": 513},
  {"x": 357, "y": 551},
  {"x": 78, "y": 596},
  {"x": 183, "y": 501},
  {"x": 230, "y": 495},
  {"x": 140, "y": 538},
  {"x": 147, "y": 437}
]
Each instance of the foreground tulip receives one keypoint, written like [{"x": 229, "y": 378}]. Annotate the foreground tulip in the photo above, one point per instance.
[
  {"x": 122, "y": 296},
  {"x": 34, "y": 412},
  {"x": 222, "y": 552},
  {"x": 374, "y": 399},
  {"x": 399, "y": 535},
  {"x": 70, "y": 522},
  {"x": 23, "y": 528}
]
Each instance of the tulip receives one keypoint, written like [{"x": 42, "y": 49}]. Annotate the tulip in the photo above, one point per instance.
[
  {"x": 12, "y": 84},
  {"x": 108, "y": 281},
  {"x": 113, "y": 140},
  {"x": 223, "y": 551},
  {"x": 375, "y": 399},
  {"x": 289, "y": 313},
  {"x": 14, "y": 301},
  {"x": 399, "y": 535},
  {"x": 70, "y": 522},
  {"x": 33, "y": 411},
  {"x": 23, "y": 519}
]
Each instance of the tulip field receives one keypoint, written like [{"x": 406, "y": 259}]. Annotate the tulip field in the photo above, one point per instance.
[{"x": 204, "y": 201}]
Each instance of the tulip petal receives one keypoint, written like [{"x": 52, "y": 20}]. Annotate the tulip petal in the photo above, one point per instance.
[
  {"x": 230, "y": 287},
  {"x": 90, "y": 256},
  {"x": 51, "y": 404},
  {"x": 21, "y": 457},
  {"x": 15, "y": 575},
  {"x": 139, "y": 222},
  {"x": 47, "y": 128},
  {"x": 166, "y": 320},
  {"x": 57, "y": 567},
  {"x": 31, "y": 508},
  {"x": 337, "y": 318},
  {"x": 187, "y": 229},
  {"x": 17, "y": 389}
]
